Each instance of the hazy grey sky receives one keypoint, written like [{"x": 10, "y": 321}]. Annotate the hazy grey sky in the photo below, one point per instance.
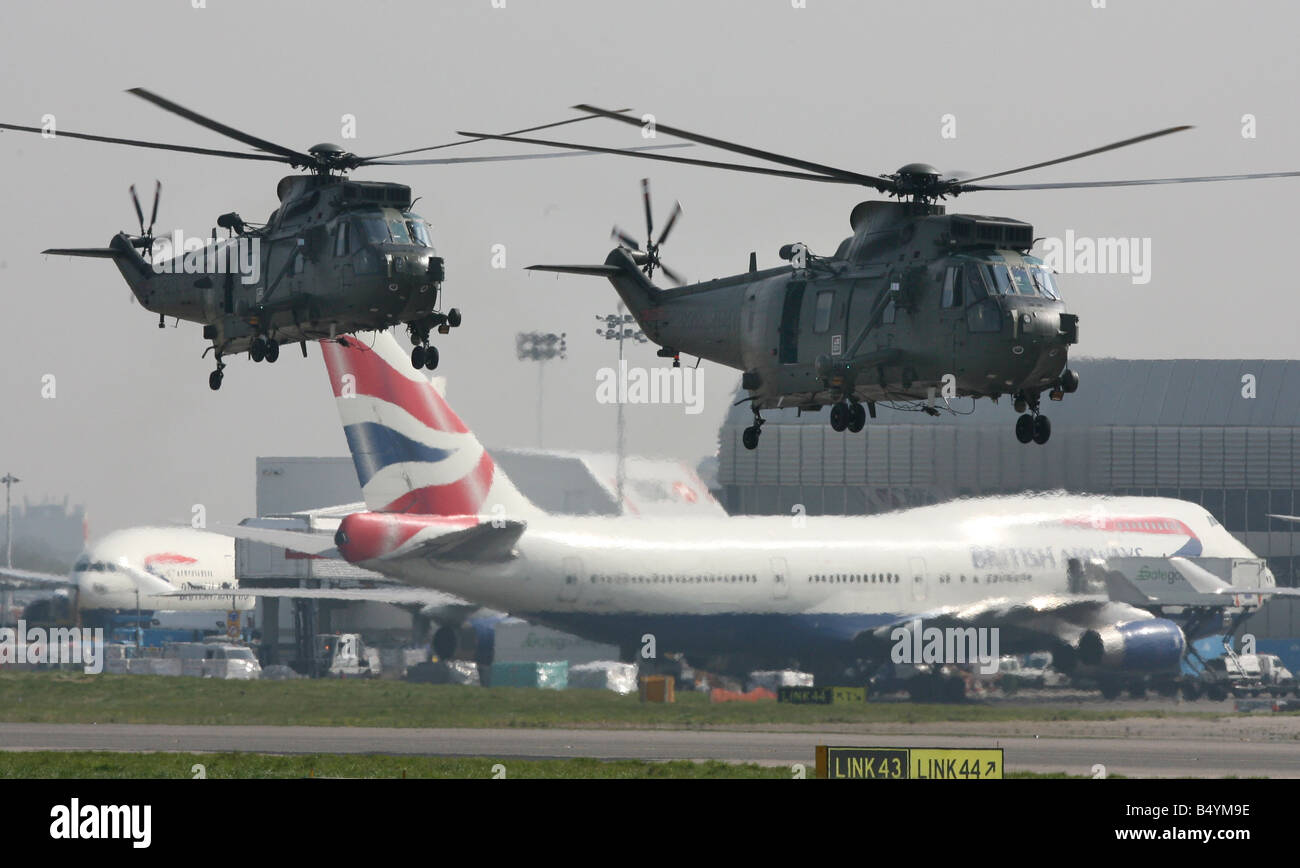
[{"x": 134, "y": 431}]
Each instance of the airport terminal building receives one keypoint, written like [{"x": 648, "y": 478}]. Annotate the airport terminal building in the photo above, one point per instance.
[{"x": 1221, "y": 433}]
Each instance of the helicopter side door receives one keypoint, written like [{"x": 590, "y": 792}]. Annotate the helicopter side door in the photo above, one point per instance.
[
  {"x": 791, "y": 316},
  {"x": 821, "y": 328},
  {"x": 275, "y": 273},
  {"x": 344, "y": 245},
  {"x": 952, "y": 319}
]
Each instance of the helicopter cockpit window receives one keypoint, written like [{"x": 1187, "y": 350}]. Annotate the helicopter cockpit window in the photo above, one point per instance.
[
  {"x": 822, "y": 317},
  {"x": 342, "y": 239},
  {"x": 419, "y": 231},
  {"x": 1024, "y": 284},
  {"x": 373, "y": 229},
  {"x": 952, "y": 288},
  {"x": 1046, "y": 286},
  {"x": 397, "y": 229},
  {"x": 975, "y": 288},
  {"x": 999, "y": 279}
]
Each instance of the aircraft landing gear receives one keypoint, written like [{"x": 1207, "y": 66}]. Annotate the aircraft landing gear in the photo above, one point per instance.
[
  {"x": 857, "y": 417},
  {"x": 839, "y": 416},
  {"x": 215, "y": 378},
  {"x": 263, "y": 348},
  {"x": 425, "y": 354},
  {"x": 848, "y": 415},
  {"x": 1032, "y": 426},
  {"x": 750, "y": 435}
]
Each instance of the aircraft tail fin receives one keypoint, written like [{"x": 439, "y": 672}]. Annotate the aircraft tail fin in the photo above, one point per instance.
[{"x": 412, "y": 452}]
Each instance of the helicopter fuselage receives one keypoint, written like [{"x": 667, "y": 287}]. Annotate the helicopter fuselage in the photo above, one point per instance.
[
  {"x": 337, "y": 257},
  {"x": 916, "y": 305}
]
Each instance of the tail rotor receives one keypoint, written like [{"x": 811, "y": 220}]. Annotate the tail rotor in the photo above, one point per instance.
[
  {"x": 649, "y": 258},
  {"x": 145, "y": 239}
]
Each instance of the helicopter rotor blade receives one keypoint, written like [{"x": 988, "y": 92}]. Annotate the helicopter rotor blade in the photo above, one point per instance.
[
  {"x": 881, "y": 184},
  {"x": 668, "y": 227},
  {"x": 135, "y": 200},
  {"x": 153, "y": 216},
  {"x": 1088, "y": 153},
  {"x": 365, "y": 160},
  {"x": 293, "y": 156},
  {"x": 1136, "y": 182},
  {"x": 649, "y": 221},
  {"x": 504, "y": 158},
  {"x": 625, "y": 239},
  {"x": 140, "y": 143},
  {"x": 636, "y": 152}
]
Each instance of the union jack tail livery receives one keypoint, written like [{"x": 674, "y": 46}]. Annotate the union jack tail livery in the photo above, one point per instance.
[{"x": 412, "y": 452}]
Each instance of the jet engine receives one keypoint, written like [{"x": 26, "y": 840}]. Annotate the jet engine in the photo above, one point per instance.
[{"x": 1154, "y": 645}]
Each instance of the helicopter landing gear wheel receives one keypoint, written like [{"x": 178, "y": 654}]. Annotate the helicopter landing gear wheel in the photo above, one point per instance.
[
  {"x": 751, "y": 434},
  {"x": 1025, "y": 428},
  {"x": 417, "y": 356},
  {"x": 257, "y": 350},
  {"x": 857, "y": 417},
  {"x": 839, "y": 416},
  {"x": 431, "y": 357},
  {"x": 454, "y": 317},
  {"x": 271, "y": 351},
  {"x": 1042, "y": 430},
  {"x": 215, "y": 378}
]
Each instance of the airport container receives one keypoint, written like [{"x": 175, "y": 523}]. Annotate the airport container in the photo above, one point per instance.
[
  {"x": 552, "y": 674},
  {"x": 604, "y": 675},
  {"x": 658, "y": 688},
  {"x": 518, "y": 641}
]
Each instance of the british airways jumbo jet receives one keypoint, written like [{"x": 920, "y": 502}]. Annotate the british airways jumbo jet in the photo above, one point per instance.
[
  {"x": 183, "y": 574},
  {"x": 1083, "y": 576}
]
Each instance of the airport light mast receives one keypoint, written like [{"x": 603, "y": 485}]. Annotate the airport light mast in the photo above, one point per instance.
[
  {"x": 620, "y": 327},
  {"x": 540, "y": 347},
  {"x": 9, "y": 480}
]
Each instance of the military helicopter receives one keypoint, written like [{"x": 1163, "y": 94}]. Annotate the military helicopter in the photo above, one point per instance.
[
  {"x": 916, "y": 305},
  {"x": 336, "y": 256}
]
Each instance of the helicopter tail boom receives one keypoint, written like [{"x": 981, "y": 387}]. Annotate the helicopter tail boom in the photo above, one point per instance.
[
  {"x": 636, "y": 290},
  {"x": 97, "y": 252},
  {"x": 121, "y": 250}
]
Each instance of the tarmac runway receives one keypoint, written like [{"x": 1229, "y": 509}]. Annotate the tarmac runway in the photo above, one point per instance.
[{"x": 1198, "y": 748}]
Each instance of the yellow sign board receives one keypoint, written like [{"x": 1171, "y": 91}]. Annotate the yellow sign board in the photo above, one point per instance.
[{"x": 900, "y": 763}]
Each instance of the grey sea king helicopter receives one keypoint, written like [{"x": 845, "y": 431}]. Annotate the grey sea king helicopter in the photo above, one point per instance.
[
  {"x": 917, "y": 302},
  {"x": 336, "y": 256}
]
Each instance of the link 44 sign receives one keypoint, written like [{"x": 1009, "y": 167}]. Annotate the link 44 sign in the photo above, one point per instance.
[{"x": 899, "y": 763}]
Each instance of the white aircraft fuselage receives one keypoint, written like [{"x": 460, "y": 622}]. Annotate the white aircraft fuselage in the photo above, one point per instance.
[{"x": 793, "y": 588}]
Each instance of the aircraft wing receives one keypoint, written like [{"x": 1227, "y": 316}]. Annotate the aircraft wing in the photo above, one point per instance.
[
  {"x": 304, "y": 542},
  {"x": 1036, "y": 624},
  {"x": 24, "y": 580},
  {"x": 443, "y": 608},
  {"x": 482, "y": 542},
  {"x": 489, "y": 541},
  {"x": 1206, "y": 582}
]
